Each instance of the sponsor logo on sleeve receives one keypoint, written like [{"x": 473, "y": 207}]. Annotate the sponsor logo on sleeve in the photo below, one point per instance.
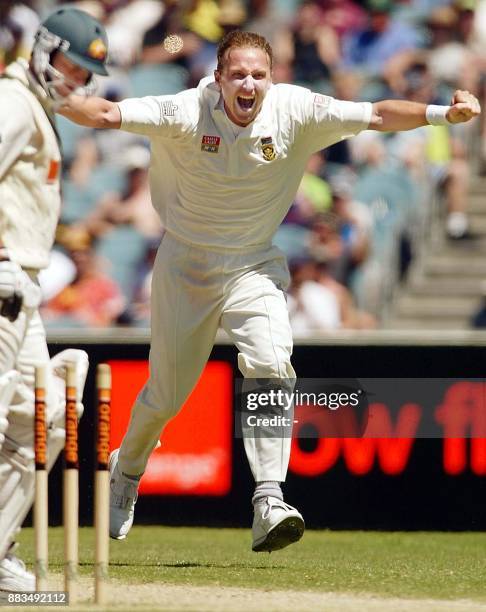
[
  {"x": 268, "y": 148},
  {"x": 210, "y": 144},
  {"x": 169, "y": 108},
  {"x": 321, "y": 100}
]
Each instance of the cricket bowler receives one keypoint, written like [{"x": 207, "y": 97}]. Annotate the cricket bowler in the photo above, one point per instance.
[{"x": 227, "y": 159}]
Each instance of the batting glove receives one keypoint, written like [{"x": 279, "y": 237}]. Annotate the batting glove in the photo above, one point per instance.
[
  {"x": 13, "y": 280},
  {"x": 10, "y": 278}
]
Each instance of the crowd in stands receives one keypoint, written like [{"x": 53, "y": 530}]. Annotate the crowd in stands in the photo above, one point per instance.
[{"x": 364, "y": 206}]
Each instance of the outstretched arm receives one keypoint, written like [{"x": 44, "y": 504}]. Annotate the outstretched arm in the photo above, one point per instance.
[
  {"x": 398, "y": 115},
  {"x": 91, "y": 111}
]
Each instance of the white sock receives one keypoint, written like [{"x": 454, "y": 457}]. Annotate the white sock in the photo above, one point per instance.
[{"x": 266, "y": 488}]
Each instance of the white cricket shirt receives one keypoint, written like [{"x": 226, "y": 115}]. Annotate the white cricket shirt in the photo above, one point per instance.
[
  {"x": 30, "y": 168},
  {"x": 216, "y": 189}
]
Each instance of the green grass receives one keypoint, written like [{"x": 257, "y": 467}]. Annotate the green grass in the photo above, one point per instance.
[{"x": 410, "y": 565}]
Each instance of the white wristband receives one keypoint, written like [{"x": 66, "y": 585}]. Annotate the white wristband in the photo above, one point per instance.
[{"x": 436, "y": 115}]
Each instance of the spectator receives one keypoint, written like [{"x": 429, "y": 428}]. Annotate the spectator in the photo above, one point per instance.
[
  {"x": 92, "y": 299},
  {"x": 18, "y": 24},
  {"x": 312, "y": 306},
  {"x": 312, "y": 47},
  {"x": 445, "y": 155},
  {"x": 133, "y": 207},
  {"x": 448, "y": 57},
  {"x": 349, "y": 315},
  {"x": 386, "y": 186},
  {"x": 478, "y": 319},
  {"x": 450, "y": 54},
  {"x": 60, "y": 272},
  {"x": 313, "y": 195},
  {"x": 371, "y": 48},
  {"x": 265, "y": 18},
  {"x": 355, "y": 220},
  {"x": 126, "y": 24},
  {"x": 326, "y": 244},
  {"x": 343, "y": 16}
]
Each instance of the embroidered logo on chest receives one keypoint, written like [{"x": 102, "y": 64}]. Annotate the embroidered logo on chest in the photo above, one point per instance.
[
  {"x": 210, "y": 144},
  {"x": 268, "y": 148}
]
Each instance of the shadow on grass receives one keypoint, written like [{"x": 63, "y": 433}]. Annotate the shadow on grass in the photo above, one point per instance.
[{"x": 185, "y": 564}]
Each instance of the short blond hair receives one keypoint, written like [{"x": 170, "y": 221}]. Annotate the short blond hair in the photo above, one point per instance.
[{"x": 236, "y": 39}]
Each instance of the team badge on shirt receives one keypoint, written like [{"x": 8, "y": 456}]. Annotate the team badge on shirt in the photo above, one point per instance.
[
  {"x": 268, "y": 149},
  {"x": 210, "y": 144}
]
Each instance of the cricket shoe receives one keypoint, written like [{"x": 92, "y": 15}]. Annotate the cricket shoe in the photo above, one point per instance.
[
  {"x": 123, "y": 496},
  {"x": 275, "y": 525},
  {"x": 14, "y": 576}
]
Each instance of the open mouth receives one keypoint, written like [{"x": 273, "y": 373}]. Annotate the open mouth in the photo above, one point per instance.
[{"x": 246, "y": 103}]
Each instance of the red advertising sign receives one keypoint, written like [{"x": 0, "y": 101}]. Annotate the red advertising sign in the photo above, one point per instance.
[
  {"x": 196, "y": 453},
  {"x": 388, "y": 443}
]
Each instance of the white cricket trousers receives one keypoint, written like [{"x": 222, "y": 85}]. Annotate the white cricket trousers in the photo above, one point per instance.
[{"x": 195, "y": 290}]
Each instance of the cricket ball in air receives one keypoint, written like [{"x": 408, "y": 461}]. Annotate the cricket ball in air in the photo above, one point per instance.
[{"x": 173, "y": 43}]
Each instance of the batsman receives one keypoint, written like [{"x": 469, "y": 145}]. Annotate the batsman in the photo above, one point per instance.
[
  {"x": 69, "y": 47},
  {"x": 227, "y": 159}
]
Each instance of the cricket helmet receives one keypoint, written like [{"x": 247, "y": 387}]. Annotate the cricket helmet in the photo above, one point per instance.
[{"x": 80, "y": 37}]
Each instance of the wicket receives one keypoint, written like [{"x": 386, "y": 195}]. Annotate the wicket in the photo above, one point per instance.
[
  {"x": 40, "y": 501},
  {"x": 71, "y": 483},
  {"x": 102, "y": 482},
  {"x": 70, "y": 497}
]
